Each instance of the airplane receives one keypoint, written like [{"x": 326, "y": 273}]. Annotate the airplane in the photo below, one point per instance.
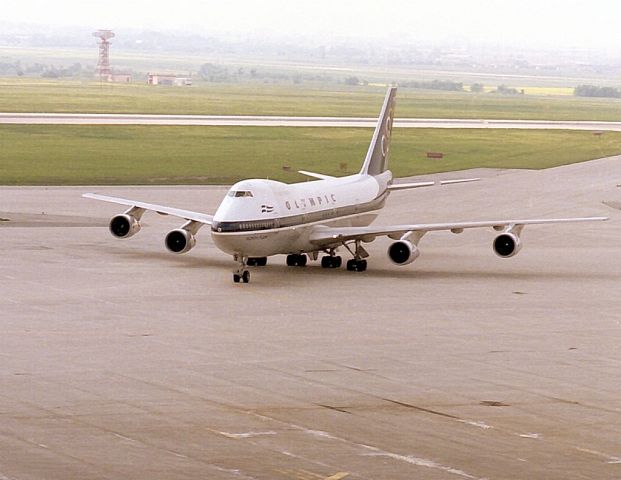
[{"x": 261, "y": 218}]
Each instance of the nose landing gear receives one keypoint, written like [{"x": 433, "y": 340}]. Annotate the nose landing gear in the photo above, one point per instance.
[{"x": 241, "y": 274}]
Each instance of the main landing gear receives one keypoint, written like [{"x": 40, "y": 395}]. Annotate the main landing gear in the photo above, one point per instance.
[
  {"x": 297, "y": 260},
  {"x": 355, "y": 265},
  {"x": 358, "y": 263},
  {"x": 331, "y": 261},
  {"x": 257, "y": 261}
]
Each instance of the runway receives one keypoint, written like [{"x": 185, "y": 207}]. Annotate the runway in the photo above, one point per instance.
[
  {"x": 120, "y": 360},
  {"x": 277, "y": 121}
]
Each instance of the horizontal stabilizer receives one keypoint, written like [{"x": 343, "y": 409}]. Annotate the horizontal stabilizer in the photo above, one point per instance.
[
  {"x": 320, "y": 176},
  {"x": 405, "y": 186}
]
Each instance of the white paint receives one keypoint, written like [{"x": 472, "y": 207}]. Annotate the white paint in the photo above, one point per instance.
[
  {"x": 611, "y": 459},
  {"x": 535, "y": 436},
  {"x": 482, "y": 425},
  {"x": 423, "y": 462},
  {"x": 322, "y": 434},
  {"x": 247, "y": 434},
  {"x": 123, "y": 437},
  {"x": 375, "y": 450}
]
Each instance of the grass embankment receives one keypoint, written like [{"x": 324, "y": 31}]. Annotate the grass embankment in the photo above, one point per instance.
[
  {"x": 74, "y": 155},
  {"x": 258, "y": 99}
]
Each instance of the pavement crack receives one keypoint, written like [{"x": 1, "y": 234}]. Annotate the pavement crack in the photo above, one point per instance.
[{"x": 421, "y": 409}]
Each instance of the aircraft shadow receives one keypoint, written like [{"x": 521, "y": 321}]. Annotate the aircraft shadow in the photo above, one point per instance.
[{"x": 396, "y": 272}]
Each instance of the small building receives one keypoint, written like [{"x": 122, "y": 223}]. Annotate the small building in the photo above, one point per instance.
[
  {"x": 183, "y": 82},
  {"x": 168, "y": 79},
  {"x": 120, "y": 77},
  {"x": 115, "y": 77}
]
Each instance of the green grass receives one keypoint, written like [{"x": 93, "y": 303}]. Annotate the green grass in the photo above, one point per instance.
[
  {"x": 24, "y": 95},
  {"x": 79, "y": 155}
]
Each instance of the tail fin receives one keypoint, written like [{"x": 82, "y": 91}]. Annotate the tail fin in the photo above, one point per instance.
[{"x": 376, "y": 160}]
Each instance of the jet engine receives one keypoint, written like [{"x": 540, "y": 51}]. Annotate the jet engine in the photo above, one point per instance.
[
  {"x": 124, "y": 226},
  {"x": 507, "y": 245},
  {"x": 403, "y": 252},
  {"x": 180, "y": 241}
]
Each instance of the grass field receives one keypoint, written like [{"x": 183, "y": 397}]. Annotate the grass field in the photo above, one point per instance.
[
  {"x": 79, "y": 155},
  {"x": 28, "y": 95}
]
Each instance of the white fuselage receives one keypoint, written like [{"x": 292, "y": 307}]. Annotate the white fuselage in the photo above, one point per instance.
[{"x": 259, "y": 218}]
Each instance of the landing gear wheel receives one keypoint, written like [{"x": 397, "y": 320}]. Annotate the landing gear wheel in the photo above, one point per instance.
[
  {"x": 295, "y": 260},
  {"x": 257, "y": 261},
  {"x": 331, "y": 262},
  {"x": 354, "y": 265},
  {"x": 241, "y": 274}
]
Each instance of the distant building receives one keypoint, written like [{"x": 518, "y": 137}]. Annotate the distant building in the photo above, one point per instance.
[
  {"x": 120, "y": 77},
  {"x": 183, "y": 81},
  {"x": 168, "y": 79}
]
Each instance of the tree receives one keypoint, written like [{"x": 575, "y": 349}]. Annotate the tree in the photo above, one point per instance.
[
  {"x": 504, "y": 90},
  {"x": 594, "y": 91}
]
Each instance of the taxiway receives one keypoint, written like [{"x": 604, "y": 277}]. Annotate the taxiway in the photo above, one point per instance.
[
  {"x": 121, "y": 360},
  {"x": 280, "y": 121}
]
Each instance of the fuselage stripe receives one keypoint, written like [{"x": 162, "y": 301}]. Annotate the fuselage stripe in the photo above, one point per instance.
[{"x": 301, "y": 219}]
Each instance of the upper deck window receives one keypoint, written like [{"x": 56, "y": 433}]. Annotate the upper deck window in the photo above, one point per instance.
[{"x": 240, "y": 193}]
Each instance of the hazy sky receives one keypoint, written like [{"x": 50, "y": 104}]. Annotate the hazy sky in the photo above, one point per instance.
[{"x": 529, "y": 22}]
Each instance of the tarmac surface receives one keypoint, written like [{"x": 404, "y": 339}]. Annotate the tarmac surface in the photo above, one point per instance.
[
  {"x": 121, "y": 360},
  {"x": 280, "y": 121}
]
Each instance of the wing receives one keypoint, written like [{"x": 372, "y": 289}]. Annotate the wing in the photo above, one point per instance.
[
  {"x": 327, "y": 236},
  {"x": 177, "y": 212}
]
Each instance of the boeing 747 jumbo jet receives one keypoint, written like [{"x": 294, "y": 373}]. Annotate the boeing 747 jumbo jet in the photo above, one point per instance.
[{"x": 261, "y": 218}]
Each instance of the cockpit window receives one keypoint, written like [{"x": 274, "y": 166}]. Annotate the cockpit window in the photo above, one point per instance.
[{"x": 240, "y": 193}]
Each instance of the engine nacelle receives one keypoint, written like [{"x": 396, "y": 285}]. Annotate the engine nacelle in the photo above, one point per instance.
[
  {"x": 403, "y": 252},
  {"x": 180, "y": 241},
  {"x": 124, "y": 226},
  {"x": 507, "y": 245}
]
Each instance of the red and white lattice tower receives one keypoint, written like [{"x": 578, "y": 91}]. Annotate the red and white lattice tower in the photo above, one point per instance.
[{"x": 103, "y": 64}]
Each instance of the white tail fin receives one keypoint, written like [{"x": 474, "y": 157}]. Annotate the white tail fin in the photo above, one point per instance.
[{"x": 376, "y": 160}]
